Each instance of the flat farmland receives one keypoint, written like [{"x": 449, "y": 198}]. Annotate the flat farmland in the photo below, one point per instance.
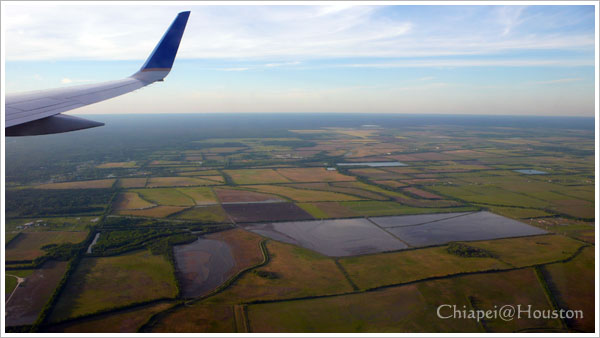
[
  {"x": 257, "y": 212},
  {"x": 517, "y": 212},
  {"x": 365, "y": 194},
  {"x": 376, "y": 270},
  {"x": 131, "y": 200},
  {"x": 484, "y": 291},
  {"x": 524, "y": 251},
  {"x": 297, "y": 272},
  {"x": 205, "y": 214},
  {"x": 28, "y": 245},
  {"x": 390, "y": 183},
  {"x": 92, "y": 184},
  {"x": 29, "y": 299},
  {"x": 490, "y": 195},
  {"x": 198, "y": 317},
  {"x": 132, "y": 182},
  {"x": 241, "y": 196},
  {"x": 256, "y": 176},
  {"x": 572, "y": 283},
  {"x": 160, "y": 211},
  {"x": 414, "y": 307},
  {"x": 244, "y": 246},
  {"x": 165, "y": 196},
  {"x": 304, "y": 195},
  {"x": 422, "y": 193},
  {"x": 376, "y": 174},
  {"x": 399, "y": 309},
  {"x": 157, "y": 182},
  {"x": 200, "y": 195},
  {"x": 106, "y": 282},
  {"x": 127, "y": 321},
  {"x": 314, "y": 175}
]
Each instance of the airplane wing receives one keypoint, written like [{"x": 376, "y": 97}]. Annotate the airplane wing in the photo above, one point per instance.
[{"x": 39, "y": 112}]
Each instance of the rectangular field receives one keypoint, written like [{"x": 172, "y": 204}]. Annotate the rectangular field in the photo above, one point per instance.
[
  {"x": 313, "y": 175},
  {"x": 304, "y": 195},
  {"x": 156, "y": 182},
  {"x": 255, "y": 176}
]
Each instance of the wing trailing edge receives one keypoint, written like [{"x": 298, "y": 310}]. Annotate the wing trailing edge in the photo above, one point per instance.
[{"x": 39, "y": 112}]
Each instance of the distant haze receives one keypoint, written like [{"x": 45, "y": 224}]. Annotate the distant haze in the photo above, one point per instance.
[{"x": 507, "y": 60}]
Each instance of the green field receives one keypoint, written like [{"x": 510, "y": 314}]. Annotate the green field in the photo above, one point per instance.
[
  {"x": 205, "y": 214},
  {"x": 109, "y": 282},
  {"x": 371, "y": 271},
  {"x": 165, "y": 196}
]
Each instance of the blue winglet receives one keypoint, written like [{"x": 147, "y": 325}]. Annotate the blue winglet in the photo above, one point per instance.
[{"x": 163, "y": 55}]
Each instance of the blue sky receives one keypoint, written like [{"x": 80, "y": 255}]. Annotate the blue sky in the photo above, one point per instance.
[{"x": 524, "y": 60}]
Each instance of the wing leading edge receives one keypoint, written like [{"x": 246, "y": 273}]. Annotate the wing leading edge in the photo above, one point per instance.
[{"x": 39, "y": 112}]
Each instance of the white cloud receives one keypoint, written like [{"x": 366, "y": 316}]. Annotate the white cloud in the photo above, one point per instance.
[{"x": 109, "y": 32}]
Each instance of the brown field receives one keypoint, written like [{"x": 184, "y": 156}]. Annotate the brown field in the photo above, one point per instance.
[
  {"x": 313, "y": 175},
  {"x": 109, "y": 165},
  {"x": 304, "y": 195},
  {"x": 255, "y": 176},
  {"x": 265, "y": 212},
  {"x": 93, "y": 184},
  {"x": 216, "y": 178},
  {"x": 194, "y": 158},
  {"x": 469, "y": 154},
  {"x": 572, "y": 283},
  {"x": 131, "y": 200},
  {"x": 160, "y": 211},
  {"x": 421, "y": 181},
  {"x": 107, "y": 282},
  {"x": 422, "y": 193},
  {"x": 132, "y": 182},
  {"x": 28, "y": 245},
  {"x": 29, "y": 299},
  {"x": 155, "y": 182},
  {"x": 370, "y": 271},
  {"x": 240, "y": 196},
  {"x": 127, "y": 321}
]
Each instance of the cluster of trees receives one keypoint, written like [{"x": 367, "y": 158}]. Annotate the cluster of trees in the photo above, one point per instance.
[
  {"x": 116, "y": 242},
  {"x": 464, "y": 250},
  {"x": 38, "y": 202}
]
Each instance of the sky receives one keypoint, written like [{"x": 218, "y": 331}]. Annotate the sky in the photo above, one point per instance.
[{"x": 463, "y": 59}]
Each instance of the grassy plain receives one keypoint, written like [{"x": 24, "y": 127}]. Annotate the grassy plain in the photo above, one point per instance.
[
  {"x": 107, "y": 282},
  {"x": 572, "y": 283},
  {"x": 165, "y": 196},
  {"x": 127, "y": 321},
  {"x": 256, "y": 176},
  {"x": 200, "y": 195},
  {"x": 525, "y": 251},
  {"x": 132, "y": 182},
  {"x": 205, "y": 214},
  {"x": 313, "y": 175},
  {"x": 131, "y": 200},
  {"x": 371, "y": 271}
]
